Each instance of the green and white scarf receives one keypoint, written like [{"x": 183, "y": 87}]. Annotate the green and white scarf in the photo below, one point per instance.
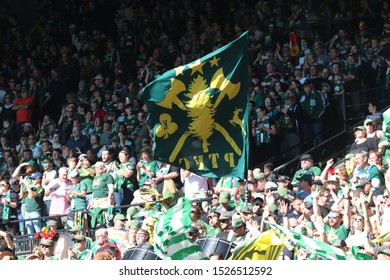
[{"x": 6, "y": 210}]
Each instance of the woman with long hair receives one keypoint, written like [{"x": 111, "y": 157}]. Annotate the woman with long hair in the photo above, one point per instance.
[
  {"x": 125, "y": 177},
  {"x": 264, "y": 131},
  {"x": 9, "y": 202}
]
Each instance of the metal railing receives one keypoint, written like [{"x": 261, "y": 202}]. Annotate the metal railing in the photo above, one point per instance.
[
  {"x": 332, "y": 147},
  {"x": 25, "y": 243}
]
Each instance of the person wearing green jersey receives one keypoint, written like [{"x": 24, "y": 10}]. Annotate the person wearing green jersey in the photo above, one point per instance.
[{"x": 102, "y": 187}]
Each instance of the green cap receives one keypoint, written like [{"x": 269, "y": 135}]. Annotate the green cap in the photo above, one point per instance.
[
  {"x": 75, "y": 228},
  {"x": 47, "y": 242},
  {"x": 224, "y": 217},
  {"x": 246, "y": 208},
  {"x": 133, "y": 210},
  {"x": 349, "y": 156},
  {"x": 120, "y": 217},
  {"x": 260, "y": 176},
  {"x": 224, "y": 197},
  {"x": 307, "y": 176},
  {"x": 32, "y": 163},
  {"x": 282, "y": 191},
  {"x": 360, "y": 127},
  {"x": 79, "y": 237},
  {"x": 237, "y": 222},
  {"x": 133, "y": 223}
]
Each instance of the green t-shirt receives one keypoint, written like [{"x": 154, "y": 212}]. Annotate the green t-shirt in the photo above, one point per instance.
[
  {"x": 121, "y": 181},
  {"x": 34, "y": 204},
  {"x": 78, "y": 203},
  {"x": 100, "y": 185},
  {"x": 213, "y": 232},
  {"x": 86, "y": 177},
  {"x": 131, "y": 123},
  {"x": 84, "y": 255},
  {"x": 23, "y": 200},
  {"x": 333, "y": 234},
  {"x": 152, "y": 166}
]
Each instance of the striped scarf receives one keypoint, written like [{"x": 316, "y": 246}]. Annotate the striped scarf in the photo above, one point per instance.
[{"x": 6, "y": 210}]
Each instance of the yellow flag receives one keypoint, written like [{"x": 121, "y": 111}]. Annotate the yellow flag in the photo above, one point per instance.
[{"x": 265, "y": 246}]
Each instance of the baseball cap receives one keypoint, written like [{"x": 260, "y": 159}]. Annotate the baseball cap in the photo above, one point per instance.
[
  {"x": 99, "y": 77},
  {"x": 52, "y": 223},
  {"x": 260, "y": 176},
  {"x": 75, "y": 228},
  {"x": 32, "y": 163},
  {"x": 237, "y": 222},
  {"x": 79, "y": 237},
  {"x": 367, "y": 121},
  {"x": 224, "y": 197},
  {"x": 270, "y": 185},
  {"x": 28, "y": 124},
  {"x": 224, "y": 217},
  {"x": 120, "y": 217},
  {"x": 82, "y": 156},
  {"x": 36, "y": 175},
  {"x": 47, "y": 242},
  {"x": 193, "y": 229},
  {"x": 349, "y": 156},
  {"x": 133, "y": 210},
  {"x": 307, "y": 176},
  {"x": 306, "y": 157},
  {"x": 360, "y": 127},
  {"x": 362, "y": 182},
  {"x": 133, "y": 223},
  {"x": 283, "y": 178},
  {"x": 73, "y": 174}
]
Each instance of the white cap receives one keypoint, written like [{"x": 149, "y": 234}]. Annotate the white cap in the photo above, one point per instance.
[
  {"x": 270, "y": 185},
  {"x": 73, "y": 174}
]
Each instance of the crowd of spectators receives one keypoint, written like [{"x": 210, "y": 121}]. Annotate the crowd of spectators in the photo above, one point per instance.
[{"x": 75, "y": 133}]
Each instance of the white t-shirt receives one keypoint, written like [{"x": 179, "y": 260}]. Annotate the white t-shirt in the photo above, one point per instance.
[{"x": 194, "y": 183}]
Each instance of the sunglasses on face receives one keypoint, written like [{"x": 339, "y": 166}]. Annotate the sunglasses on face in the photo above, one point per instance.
[
  {"x": 45, "y": 246},
  {"x": 332, "y": 217}
]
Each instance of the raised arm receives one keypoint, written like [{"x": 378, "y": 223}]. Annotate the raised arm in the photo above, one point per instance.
[{"x": 347, "y": 215}]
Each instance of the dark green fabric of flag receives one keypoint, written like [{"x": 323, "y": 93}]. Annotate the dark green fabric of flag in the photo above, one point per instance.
[{"x": 199, "y": 113}]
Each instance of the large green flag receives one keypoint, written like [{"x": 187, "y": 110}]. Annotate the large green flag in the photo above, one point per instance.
[
  {"x": 171, "y": 240},
  {"x": 318, "y": 248},
  {"x": 199, "y": 113}
]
